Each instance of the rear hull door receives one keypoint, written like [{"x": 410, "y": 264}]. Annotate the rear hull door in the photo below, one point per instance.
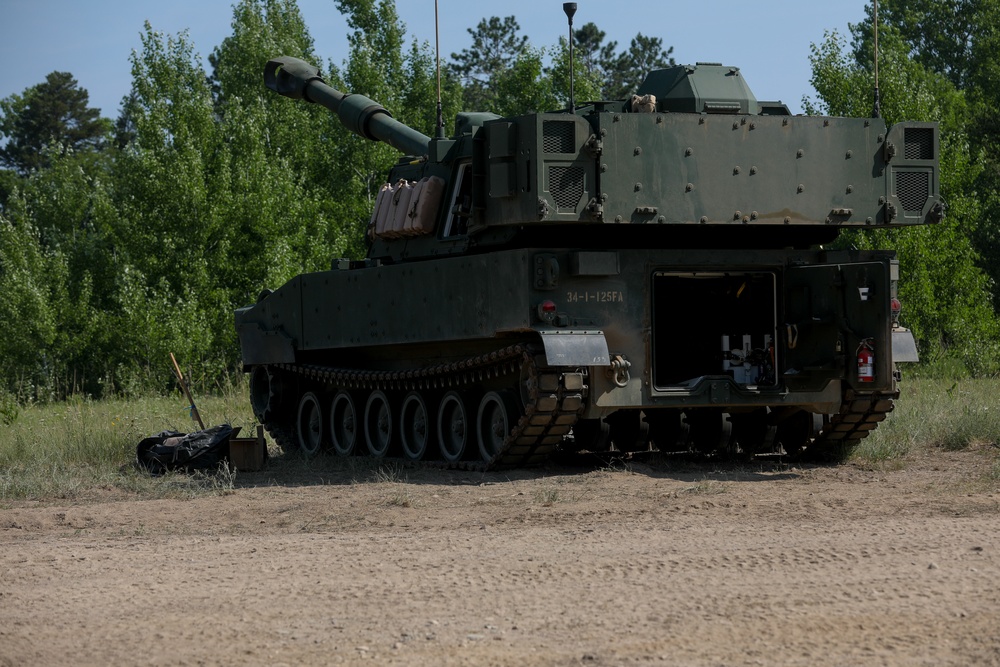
[{"x": 832, "y": 313}]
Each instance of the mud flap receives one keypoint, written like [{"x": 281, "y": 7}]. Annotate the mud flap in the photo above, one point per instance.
[
  {"x": 904, "y": 347},
  {"x": 575, "y": 348}
]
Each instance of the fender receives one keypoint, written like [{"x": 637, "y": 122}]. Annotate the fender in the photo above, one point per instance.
[
  {"x": 263, "y": 346},
  {"x": 575, "y": 348}
]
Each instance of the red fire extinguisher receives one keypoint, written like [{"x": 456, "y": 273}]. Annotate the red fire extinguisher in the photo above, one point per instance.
[{"x": 866, "y": 361}]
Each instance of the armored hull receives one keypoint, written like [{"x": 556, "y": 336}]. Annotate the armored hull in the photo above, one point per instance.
[{"x": 634, "y": 274}]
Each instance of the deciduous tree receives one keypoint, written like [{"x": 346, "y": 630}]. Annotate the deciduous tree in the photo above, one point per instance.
[{"x": 945, "y": 292}]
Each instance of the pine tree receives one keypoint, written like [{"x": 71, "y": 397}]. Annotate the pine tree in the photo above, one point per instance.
[{"x": 54, "y": 111}]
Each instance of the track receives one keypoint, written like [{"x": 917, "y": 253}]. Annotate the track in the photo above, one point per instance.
[
  {"x": 531, "y": 413},
  {"x": 535, "y": 408},
  {"x": 859, "y": 415}
]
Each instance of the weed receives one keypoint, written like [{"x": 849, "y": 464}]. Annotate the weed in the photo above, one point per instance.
[
  {"x": 9, "y": 409},
  {"x": 884, "y": 448},
  {"x": 616, "y": 465},
  {"x": 546, "y": 496},
  {"x": 705, "y": 487},
  {"x": 387, "y": 474},
  {"x": 400, "y": 498}
]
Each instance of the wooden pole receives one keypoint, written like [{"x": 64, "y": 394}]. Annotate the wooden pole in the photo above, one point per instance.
[{"x": 187, "y": 392}]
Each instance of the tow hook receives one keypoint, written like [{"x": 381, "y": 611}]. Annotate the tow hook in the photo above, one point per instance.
[{"x": 619, "y": 370}]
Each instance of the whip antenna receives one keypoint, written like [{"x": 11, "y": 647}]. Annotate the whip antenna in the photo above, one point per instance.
[
  {"x": 570, "y": 9},
  {"x": 877, "y": 109},
  {"x": 437, "y": 47}
]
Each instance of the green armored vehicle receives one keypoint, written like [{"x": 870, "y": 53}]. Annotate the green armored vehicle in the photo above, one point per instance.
[{"x": 636, "y": 274}]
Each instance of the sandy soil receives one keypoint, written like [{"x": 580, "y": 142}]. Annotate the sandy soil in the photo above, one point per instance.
[{"x": 632, "y": 565}]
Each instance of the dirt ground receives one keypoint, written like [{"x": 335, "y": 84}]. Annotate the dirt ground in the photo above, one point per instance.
[{"x": 633, "y": 564}]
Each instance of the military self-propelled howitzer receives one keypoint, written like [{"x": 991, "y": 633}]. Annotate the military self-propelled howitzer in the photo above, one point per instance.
[{"x": 618, "y": 276}]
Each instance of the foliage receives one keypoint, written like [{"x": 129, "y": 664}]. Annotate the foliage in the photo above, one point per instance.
[
  {"x": 620, "y": 74},
  {"x": 132, "y": 253},
  {"x": 169, "y": 232},
  {"x": 944, "y": 291},
  {"x": 402, "y": 79},
  {"x": 960, "y": 41},
  {"x": 116, "y": 253},
  {"x": 55, "y": 111},
  {"x": 123, "y": 242},
  {"x": 586, "y": 83},
  {"x": 521, "y": 88},
  {"x": 25, "y": 302},
  {"x": 496, "y": 48},
  {"x": 594, "y": 53},
  {"x": 956, "y": 39},
  {"x": 501, "y": 72},
  {"x": 626, "y": 70}
]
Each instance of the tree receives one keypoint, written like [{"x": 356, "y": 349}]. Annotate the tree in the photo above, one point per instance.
[
  {"x": 214, "y": 192},
  {"x": 594, "y": 53},
  {"x": 626, "y": 71},
  {"x": 25, "y": 304},
  {"x": 59, "y": 215},
  {"x": 944, "y": 291},
  {"x": 960, "y": 41},
  {"x": 213, "y": 189},
  {"x": 957, "y": 39},
  {"x": 168, "y": 235},
  {"x": 262, "y": 29},
  {"x": 403, "y": 79},
  {"x": 496, "y": 47},
  {"x": 523, "y": 87},
  {"x": 587, "y": 82},
  {"x": 620, "y": 73},
  {"x": 280, "y": 197},
  {"x": 55, "y": 111},
  {"x": 503, "y": 73}
]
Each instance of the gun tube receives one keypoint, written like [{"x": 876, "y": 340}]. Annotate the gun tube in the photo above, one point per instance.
[{"x": 298, "y": 79}]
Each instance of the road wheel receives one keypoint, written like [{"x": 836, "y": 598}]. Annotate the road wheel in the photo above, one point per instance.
[
  {"x": 414, "y": 426},
  {"x": 378, "y": 424},
  {"x": 309, "y": 424},
  {"x": 343, "y": 424},
  {"x": 453, "y": 427},
  {"x": 495, "y": 420}
]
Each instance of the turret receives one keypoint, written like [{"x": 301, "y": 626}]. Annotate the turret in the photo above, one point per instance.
[
  {"x": 299, "y": 80},
  {"x": 693, "y": 150}
]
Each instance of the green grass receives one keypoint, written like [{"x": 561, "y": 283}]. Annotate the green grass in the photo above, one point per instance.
[
  {"x": 934, "y": 414},
  {"x": 83, "y": 448}
]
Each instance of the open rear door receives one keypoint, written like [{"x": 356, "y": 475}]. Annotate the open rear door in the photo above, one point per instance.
[{"x": 833, "y": 313}]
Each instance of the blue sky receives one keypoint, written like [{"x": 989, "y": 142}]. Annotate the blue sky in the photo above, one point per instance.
[{"x": 768, "y": 40}]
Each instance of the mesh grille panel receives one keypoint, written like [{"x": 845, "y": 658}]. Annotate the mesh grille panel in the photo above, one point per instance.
[
  {"x": 558, "y": 136},
  {"x": 913, "y": 188},
  {"x": 566, "y": 186},
  {"x": 918, "y": 143}
]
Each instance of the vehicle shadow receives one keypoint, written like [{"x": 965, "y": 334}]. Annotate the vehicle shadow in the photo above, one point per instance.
[{"x": 293, "y": 469}]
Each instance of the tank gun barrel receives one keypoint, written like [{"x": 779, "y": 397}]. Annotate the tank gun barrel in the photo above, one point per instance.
[{"x": 299, "y": 80}]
